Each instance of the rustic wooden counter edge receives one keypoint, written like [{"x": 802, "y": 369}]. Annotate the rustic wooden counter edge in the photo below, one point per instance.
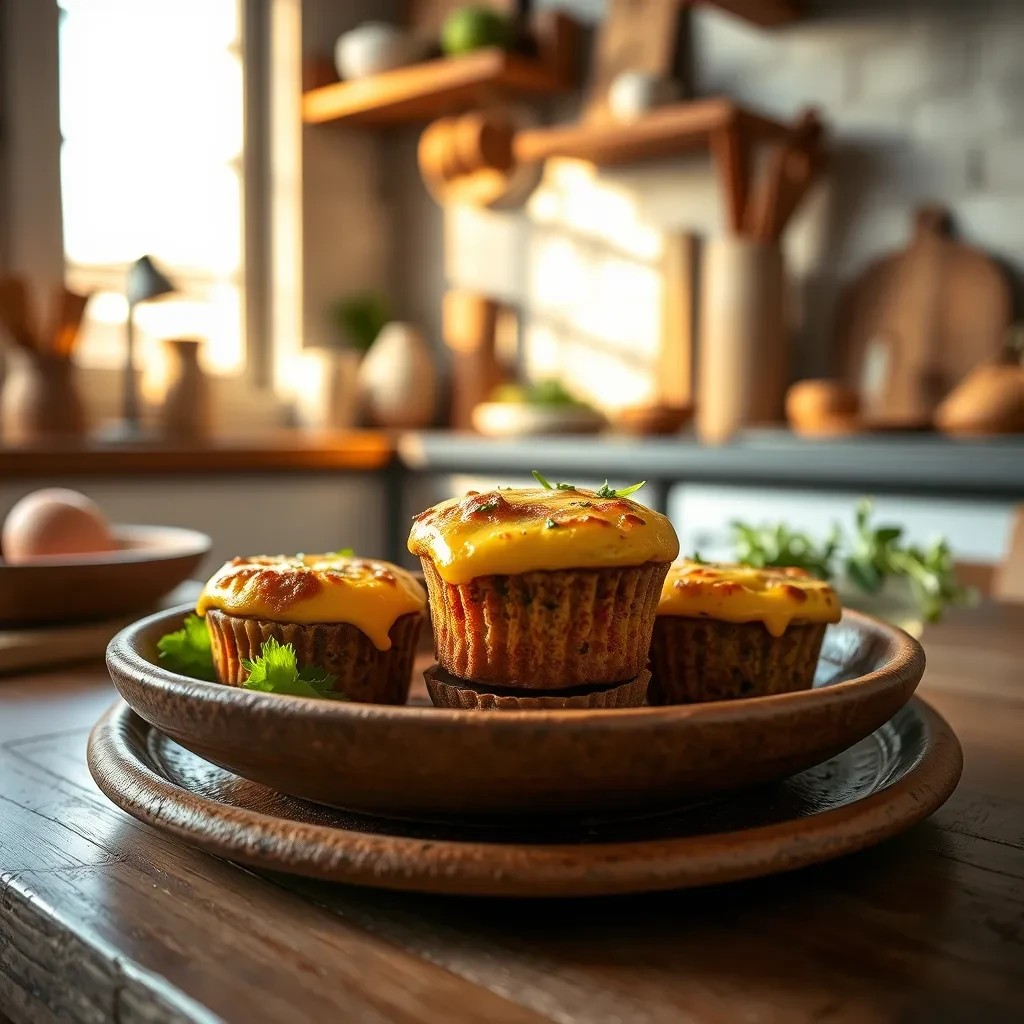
[{"x": 355, "y": 450}]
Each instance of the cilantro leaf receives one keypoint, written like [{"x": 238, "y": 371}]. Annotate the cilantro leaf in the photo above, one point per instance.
[
  {"x": 276, "y": 670},
  {"x": 604, "y": 491},
  {"x": 341, "y": 553},
  {"x": 187, "y": 650}
]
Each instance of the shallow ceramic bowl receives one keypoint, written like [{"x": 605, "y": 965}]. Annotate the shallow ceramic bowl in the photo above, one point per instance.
[
  {"x": 150, "y": 561},
  {"x": 521, "y": 419},
  {"x": 424, "y": 762}
]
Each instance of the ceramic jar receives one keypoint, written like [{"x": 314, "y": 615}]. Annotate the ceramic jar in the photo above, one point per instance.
[
  {"x": 743, "y": 356},
  {"x": 40, "y": 399},
  {"x": 329, "y": 394},
  {"x": 372, "y": 48},
  {"x": 186, "y": 409},
  {"x": 398, "y": 380}
]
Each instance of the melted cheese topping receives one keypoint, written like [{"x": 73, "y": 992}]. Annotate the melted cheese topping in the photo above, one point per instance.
[
  {"x": 316, "y": 588},
  {"x": 519, "y": 530},
  {"x": 738, "y": 593}
]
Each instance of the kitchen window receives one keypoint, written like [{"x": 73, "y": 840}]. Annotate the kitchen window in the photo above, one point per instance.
[{"x": 152, "y": 115}]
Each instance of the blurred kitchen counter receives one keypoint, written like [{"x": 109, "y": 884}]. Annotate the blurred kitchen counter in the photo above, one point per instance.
[
  {"x": 918, "y": 464},
  {"x": 281, "y": 451}
]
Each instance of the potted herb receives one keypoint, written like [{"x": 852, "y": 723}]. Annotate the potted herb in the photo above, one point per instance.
[
  {"x": 358, "y": 319},
  {"x": 873, "y": 569}
]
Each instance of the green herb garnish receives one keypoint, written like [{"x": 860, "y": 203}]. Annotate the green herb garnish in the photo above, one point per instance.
[
  {"x": 341, "y": 553},
  {"x": 276, "y": 670},
  {"x": 550, "y": 524},
  {"x": 779, "y": 547},
  {"x": 604, "y": 491},
  {"x": 488, "y": 506},
  {"x": 187, "y": 650},
  {"x": 548, "y": 486},
  {"x": 867, "y": 559}
]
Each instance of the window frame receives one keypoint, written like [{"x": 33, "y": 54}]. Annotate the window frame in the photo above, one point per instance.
[{"x": 30, "y": 139}]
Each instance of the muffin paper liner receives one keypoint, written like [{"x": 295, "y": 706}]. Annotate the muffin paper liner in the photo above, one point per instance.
[
  {"x": 363, "y": 673},
  {"x": 696, "y": 660},
  {"x": 546, "y": 630},
  {"x": 448, "y": 692}
]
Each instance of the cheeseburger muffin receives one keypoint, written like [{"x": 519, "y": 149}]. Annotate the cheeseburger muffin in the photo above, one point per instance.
[
  {"x": 726, "y": 631},
  {"x": 353, "y": 617},
  {"x": 542, "y": 596}
]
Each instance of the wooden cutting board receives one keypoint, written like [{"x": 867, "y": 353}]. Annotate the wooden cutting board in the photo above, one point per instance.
[{"x": 917, "y": 321}]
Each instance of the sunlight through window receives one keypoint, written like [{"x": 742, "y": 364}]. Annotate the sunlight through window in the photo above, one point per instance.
[{"x": 152, "y": 123}]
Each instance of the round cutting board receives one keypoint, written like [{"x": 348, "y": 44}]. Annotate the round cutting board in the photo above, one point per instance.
[{"x": 894, "y": 778}]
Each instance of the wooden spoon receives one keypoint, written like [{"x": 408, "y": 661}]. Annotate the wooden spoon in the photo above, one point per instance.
[
  {"x": 69, "y": 308},
  {"x": 15, "y": 313}
]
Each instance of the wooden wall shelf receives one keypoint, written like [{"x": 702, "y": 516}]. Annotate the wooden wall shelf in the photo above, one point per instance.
[
  {"x": 659, "y": 133},
  {"x": 432, "y": 89},
  {"x": 766, "y": 13}
]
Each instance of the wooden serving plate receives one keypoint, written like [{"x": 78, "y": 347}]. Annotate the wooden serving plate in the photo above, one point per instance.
[
  {"x": 888, "y": 781},
  {"x": 150, "y": 561},
  {"x": 430, "y": 763}
]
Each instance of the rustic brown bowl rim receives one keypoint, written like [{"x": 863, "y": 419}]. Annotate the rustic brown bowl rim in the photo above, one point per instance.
[
  {"x": 905, "y": 657},
  {"x": 136, "y": 544}
]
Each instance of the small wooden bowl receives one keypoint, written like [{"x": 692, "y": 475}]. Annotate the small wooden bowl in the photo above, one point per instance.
[
  {"x": 653, "y": 419},
  {"x": 150, "y": 561},
  {"x": 434, "y": 763}
]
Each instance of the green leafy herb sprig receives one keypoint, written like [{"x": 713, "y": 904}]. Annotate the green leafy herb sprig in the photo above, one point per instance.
[
  {"x": 872, "y": 555},
  {"x": 188, "y": 652},
  {"x": 276, "y": 670},
  {"x": 604, "y": 491}
]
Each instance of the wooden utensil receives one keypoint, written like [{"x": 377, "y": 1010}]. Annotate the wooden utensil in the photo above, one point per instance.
[
  {"x": 469, "y": 159},
  {"x": 676, "y": 341},
  {"x": 69, "y": 307},
  {"x": 469, "y": 324},
  {"x": 786, "y": 179},
  {"x": 917, "y": 321},
  {"x": 16, "y": 313}
]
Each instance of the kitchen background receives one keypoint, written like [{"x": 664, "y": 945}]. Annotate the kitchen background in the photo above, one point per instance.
[{"x": 182, "y": 130}]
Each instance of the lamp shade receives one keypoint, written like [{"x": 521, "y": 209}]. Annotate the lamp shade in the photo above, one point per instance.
[{"x": 145, "y": 281}]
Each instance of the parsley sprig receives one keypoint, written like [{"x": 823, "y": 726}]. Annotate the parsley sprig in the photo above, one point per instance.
[
  {"x": 187, "y": 650},
  {"x": 604, "y": 491},
  {"x": 867, "y": 558},
  {"x": 276, "y": 670}
]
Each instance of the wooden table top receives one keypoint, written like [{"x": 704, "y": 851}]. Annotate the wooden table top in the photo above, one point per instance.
[{"x": 102, "y": 917}]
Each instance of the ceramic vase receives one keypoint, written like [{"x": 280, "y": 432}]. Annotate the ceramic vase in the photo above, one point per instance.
[
  {"x": 743, "y": 357},
  {"x": 40, "y": 399},
  {"x": 186, "y": 410},
  {"x": 398, "y": 380},
  {"x": 328, "y": 396}
]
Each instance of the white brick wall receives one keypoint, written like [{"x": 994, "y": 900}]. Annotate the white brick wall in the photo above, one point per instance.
[{"x": 924, "y": 99}]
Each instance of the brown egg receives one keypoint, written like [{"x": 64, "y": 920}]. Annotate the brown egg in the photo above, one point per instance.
[{"x": 52, "y": 523}]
